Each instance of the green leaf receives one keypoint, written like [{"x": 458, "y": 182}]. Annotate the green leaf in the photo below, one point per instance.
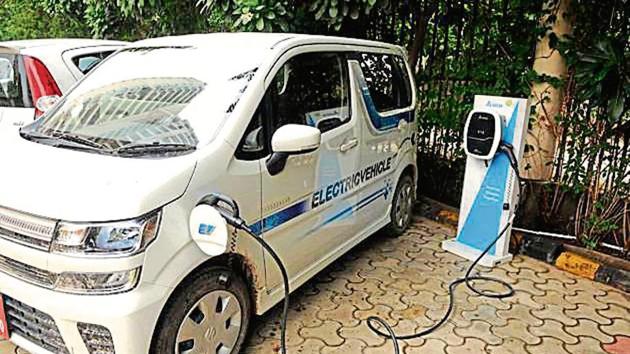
[
  {"x": 260, "y": 24},
  {"x": 615, "y": 107},
  {"x": 284, "y": 26},
  {"x": 270, "y": 15},
  {"x": 333, "y": 12},
  {"x": 320, "y": 13}
]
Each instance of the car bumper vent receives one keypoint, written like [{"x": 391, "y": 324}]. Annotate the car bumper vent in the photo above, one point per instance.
[
  {"x": 97, "y": 339},
  {"x": 35, "y": 326}
]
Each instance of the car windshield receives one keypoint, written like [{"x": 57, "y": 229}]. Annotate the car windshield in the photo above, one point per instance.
[{"x": 148, "y": 101}]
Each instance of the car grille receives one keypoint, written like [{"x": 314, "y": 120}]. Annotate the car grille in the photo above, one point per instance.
[
  {"x": 34, "y": 326},
  {"x": 26, "y": 229},
  {"x": 27, "y": 273}
]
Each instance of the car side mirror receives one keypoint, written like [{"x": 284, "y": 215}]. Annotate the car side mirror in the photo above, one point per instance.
[{"x": 291, "y": 139}]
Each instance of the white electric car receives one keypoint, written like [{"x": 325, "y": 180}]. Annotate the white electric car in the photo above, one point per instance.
[
  {"x": 313, "y": 136},
  {"x": 35, "y": 73}
]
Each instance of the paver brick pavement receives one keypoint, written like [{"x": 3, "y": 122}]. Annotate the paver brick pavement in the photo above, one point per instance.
[{"x": 405, "y": 280}]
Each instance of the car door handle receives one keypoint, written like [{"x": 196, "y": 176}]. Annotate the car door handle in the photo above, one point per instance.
[{"x": 349, "y": 145}]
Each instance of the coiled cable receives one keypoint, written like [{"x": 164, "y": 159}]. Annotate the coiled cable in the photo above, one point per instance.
[{"x": 468, "y": 279}]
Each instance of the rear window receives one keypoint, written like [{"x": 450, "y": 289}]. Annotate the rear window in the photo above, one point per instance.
[
  {"x": 13, "y": 84},
  {"x": 86, "y": 62},
  {"x": 388, "y": 81}
]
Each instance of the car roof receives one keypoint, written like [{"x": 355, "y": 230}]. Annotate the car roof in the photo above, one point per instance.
[
  {"x": 60, "y": 44},
  {"x": 253, "y": 41}
]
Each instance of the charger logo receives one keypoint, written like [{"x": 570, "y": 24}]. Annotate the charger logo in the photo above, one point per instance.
[
  {"x": 494, "y": 104},
  {"x": 205, "y": 229},
  {"x": 348, "y": 183}
]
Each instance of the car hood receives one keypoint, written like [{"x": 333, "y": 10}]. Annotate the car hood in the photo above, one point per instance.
[{"x": 79, "y": 186}]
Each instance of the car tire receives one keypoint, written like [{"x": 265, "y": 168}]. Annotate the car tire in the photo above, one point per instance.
[
  {"x": 191, "y": 306},
  {"x": 401, "y": 212}
]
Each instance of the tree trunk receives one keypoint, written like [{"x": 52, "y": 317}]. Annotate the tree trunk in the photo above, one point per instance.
[
  {"x": 418, "y": 38},
  {"x": 543, "y": 130}
]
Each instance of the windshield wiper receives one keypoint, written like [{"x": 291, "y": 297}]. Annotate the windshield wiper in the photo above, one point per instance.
[
  {"x": 35, "y": 136},
  {"x": 56, "y": 136},
  {"x": 79, "y": 140},
  {"x": 67, "y": 140},
  {"x": 153, "y": 148}
]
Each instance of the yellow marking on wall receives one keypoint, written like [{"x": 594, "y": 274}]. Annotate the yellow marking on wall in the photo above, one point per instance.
[
  {"x": 448, "y": 215},
  {"x": 578, "y": 265}
]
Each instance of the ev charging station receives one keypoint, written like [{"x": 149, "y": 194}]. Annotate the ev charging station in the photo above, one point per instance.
[{"x": 490, "y": 192}]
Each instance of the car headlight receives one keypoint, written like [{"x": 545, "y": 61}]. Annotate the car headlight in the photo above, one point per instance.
[
  {"x": 97, "y": 283},
  {"x": 121, "y": 238}
]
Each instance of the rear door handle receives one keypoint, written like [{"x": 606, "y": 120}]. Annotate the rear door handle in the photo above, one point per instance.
[{"x": 351, "y": 143}]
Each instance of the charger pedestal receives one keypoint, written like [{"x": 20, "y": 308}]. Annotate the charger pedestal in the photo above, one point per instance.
[
  {"x": 471, "y": 253},
  {"x": 490, "y": 192}
]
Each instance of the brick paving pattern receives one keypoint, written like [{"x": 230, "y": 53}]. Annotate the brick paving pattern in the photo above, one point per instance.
[{"x": 405, "y": 280}]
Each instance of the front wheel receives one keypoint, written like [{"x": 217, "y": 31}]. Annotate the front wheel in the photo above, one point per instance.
[
  {"x": 210, "y": 313},
  {"x": 402, "y": 207}
]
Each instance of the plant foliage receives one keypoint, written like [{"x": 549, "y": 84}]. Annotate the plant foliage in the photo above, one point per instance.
[
  {"x": 459, "y": 48},
  {"x": 28, "y": 19}
]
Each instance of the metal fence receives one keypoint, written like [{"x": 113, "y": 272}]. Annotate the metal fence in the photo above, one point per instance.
[{"x": 474, "y": 47}]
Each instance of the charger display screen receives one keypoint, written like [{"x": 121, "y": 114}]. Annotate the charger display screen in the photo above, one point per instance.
[{"x": 480, "y": 134}]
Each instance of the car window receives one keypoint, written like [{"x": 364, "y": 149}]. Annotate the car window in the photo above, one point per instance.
[
  {"x": 13, "y": 90},
  {"x": 253, "y": 144},
  {"x": 311, "y": 89},
  {"x": 387, "y": 80},
  {"x": 87, "y": 62}
]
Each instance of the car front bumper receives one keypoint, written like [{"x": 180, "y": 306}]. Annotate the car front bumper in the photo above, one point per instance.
[{"x": 130, "y": 317}]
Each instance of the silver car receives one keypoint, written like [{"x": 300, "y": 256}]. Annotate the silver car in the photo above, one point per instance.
[{"x": 35, "y": 73}]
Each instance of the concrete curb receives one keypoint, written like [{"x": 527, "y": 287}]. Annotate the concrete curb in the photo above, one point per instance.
[{"x": 569, "y": 258}]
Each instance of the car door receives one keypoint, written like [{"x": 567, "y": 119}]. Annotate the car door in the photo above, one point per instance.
[
  {"x": 386, "y": 97},
  {"x": 306, "y": 206}
]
